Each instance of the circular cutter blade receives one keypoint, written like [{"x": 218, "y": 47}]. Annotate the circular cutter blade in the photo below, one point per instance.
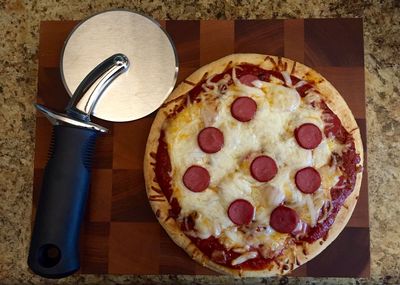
[{"x": 153, "y": 62}]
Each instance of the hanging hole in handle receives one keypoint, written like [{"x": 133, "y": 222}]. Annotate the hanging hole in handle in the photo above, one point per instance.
[{"x": 49, "y": 255}]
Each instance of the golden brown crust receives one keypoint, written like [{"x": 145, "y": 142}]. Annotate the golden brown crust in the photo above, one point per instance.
[{"x": 161, "y": 206}]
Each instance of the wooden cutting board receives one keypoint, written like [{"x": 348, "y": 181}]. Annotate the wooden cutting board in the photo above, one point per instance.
[{"x": 120, "y": 233}]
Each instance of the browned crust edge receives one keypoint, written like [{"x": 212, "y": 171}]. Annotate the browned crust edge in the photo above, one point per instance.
[{"x": 161, "y": 206}]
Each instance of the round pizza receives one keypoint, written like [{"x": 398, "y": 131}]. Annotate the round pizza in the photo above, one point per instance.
[{"x": 253, "y": 165}]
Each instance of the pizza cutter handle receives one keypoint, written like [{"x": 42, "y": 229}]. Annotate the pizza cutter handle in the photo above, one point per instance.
[{"x": 54, "y": 249}]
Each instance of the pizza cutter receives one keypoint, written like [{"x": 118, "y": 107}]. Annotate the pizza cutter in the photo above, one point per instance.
[{"x": 118, "y": 66}]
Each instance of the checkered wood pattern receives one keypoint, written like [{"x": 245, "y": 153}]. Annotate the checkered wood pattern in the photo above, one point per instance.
[{"x": 120, "y": 233}]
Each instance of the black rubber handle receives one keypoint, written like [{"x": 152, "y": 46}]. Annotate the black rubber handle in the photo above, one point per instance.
[{"x": 54, "y": 249}]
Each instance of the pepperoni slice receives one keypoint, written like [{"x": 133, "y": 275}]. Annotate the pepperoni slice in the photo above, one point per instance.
[
  {"x": 263, "y": 168},
  {"x": 241, "y": 212},
  {"x": 248, "y": 79},
  {"x": 243, "y": 109},
  {"x": 210, "y": 140},
  {"x": 196, "y": 178},
  {"x": 284, "y": 219},
  {"x": 308, "y": 180},
  {"x": 308, "y": 136}
]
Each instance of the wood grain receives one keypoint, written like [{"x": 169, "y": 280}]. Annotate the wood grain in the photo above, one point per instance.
[
  {"x": 99, "y": 205},
  {"x": 134, "y": 248},
  {"x": 259, "y": 36},
  {"x": 334, "y": 42},
  {"x": 344, "y": 257},
  {"x": 349, "y": 81},
  {"x": 214, "y": 47},
  {"x": 294, "y": 39},
  {"x": 129, "y": 143}
]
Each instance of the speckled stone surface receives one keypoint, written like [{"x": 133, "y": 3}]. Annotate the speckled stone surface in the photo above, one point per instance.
[{"x": 19, "y": 36}]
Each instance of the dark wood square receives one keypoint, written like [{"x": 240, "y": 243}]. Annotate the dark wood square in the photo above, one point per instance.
[
  {"x": 347, "y": 256},
  {"x": 54, "y": 33},
  {"x": 94, "y": 247},
  {"x": 173, "y": 258},
  {"x": 51, "y": 91},
  {"x": 129, "y": 200},
  {"x": 214, "y": 47},
  {"x": 134, "y": 248},
  {"x": 129, "y": 143},
  {"x": 293, "y": 37},
  {"x": 186, "y": 37},
  {"x": 259, "y": 36},
  {"x": 349, "y": 81},
  {"x": 99, "y": 200},
  {"x": 120, "y": 234},
  {"x": 334, "y": 42}
]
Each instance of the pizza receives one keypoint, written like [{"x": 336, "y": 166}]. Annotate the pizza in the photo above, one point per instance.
[{"x": 253, "y": 165}]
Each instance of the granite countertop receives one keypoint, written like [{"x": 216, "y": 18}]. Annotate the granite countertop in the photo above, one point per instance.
[{"x": 19, "y": 32}]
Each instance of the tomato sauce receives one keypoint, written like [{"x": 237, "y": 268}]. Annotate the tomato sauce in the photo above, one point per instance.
[
  {"x": 348, "y": 164},
  {"x": 211, "y": 245}
]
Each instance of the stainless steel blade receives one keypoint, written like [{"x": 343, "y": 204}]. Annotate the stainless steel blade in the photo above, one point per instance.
[{"x": 151, "y": 53}]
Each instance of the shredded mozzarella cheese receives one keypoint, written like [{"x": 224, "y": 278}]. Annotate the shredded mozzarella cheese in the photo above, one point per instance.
[{"x": 244, "y": 257}]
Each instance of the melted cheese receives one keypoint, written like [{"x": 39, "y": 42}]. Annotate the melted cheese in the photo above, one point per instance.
[
  {"x": 244, "y": 257},
  {"x": 280, "y": 110}
]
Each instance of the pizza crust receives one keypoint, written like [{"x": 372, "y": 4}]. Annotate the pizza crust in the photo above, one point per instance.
[{"x": 161, "y": 206}]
